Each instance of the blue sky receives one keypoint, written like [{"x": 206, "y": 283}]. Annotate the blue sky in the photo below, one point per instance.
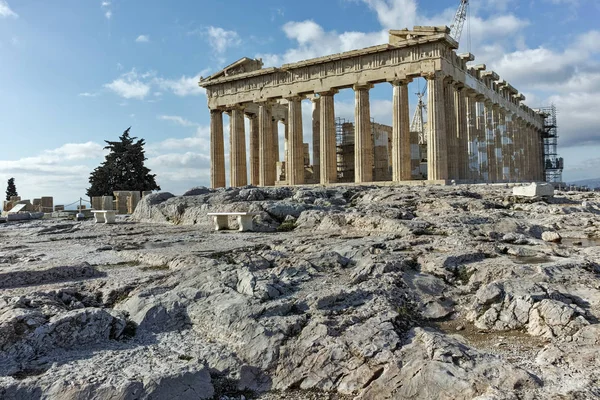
[{"x": 76, "y": 72}]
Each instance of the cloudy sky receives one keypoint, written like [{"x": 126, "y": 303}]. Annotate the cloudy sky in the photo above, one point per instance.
[{"x": 74, "y": 73}]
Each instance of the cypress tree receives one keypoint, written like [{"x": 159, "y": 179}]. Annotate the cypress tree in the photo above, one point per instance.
[
  {"x": 122, "y": 169},
  {"x": 11, "y": 189}
]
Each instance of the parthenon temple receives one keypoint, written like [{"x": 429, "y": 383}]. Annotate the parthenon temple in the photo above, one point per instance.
[{"x": 477, "y": 129}]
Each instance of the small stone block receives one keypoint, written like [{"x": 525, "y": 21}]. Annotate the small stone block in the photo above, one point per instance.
[{"x": 534, "y": 190}]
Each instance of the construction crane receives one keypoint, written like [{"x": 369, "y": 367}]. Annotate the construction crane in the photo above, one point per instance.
[
  {"x": 417, "y": 121},
  {"x": 459, "y": 20},
  {"x": 456, "y": 29}
]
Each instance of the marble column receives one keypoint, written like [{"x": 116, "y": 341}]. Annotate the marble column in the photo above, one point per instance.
[
  {"x": 472, "y": 138},
  {"x": 217, "y": 150},
  {"x": 541, "y": 160},
  {"x": 316, "y": 136},
  {"x": 461, "y": 131},
  {"x": 524, "y": 167},
  {"x": 265, "y": 134},
  {"x": 451, "y": 134},
  {"x": 437, "y": 145},
  {"x": 482, "y": 139},
  {"x": 363, "y": 135},
  {"x": 520, "y": 149},
  {"x": 529, "y": 155},
  {"x": 510, "y": 147},
  {"x": 237, "y": 160},
  {"x": 401, "y": 146},
  {"x": 490, "y": 143},
  {"x": 285, "y": 139},
  {"x": 254, "y": 150},
  {"x": 328, "y": 157},
  {"x": 295, "y": 154},
  {"x": 275, "y": 131},
  {"x": 501, "y": 150}
]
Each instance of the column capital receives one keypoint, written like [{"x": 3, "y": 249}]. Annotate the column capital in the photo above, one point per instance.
[
  {"x": 239, "y": 107},
  {"x": 362, "y": 86},
  {"x": 470, "y": 92},
  {"x": 294, "y": 97},
  {"x": 401, "y": 81},
  {"x": 329, "y": 92},
  {"x": 265, "y": 102},
  {"x": 448, "y": 79},
  {"x": 459, "y": 86},
  {"x": 216, "y": 111},
  {"x": 433, "y": 75}
]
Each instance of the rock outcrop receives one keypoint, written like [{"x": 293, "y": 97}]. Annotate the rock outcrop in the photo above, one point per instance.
[{"x": 342, "y": 293}]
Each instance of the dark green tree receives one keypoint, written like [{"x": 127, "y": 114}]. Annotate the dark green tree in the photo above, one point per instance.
[
  {"x": 123, "y": 168},
  {"x": 11, "y": 189}
]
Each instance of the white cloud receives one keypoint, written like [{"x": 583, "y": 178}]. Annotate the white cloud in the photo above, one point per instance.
[
  {"x": 129, "y": 89},
  {"x": 87, "y": 94},
  {"x": 200, "y": 141},
  {"x": 5, "y": 10},
  {"x": 220, "y": 39},
  {"x": 66, "y": 167},
  {"x": 314, "y": 41},
  {"x": 184, "y": 86},
  {"x": 77, "y": 151},
  {"x": 177, "y": 119},
  {"x": 132, "y": 85},
  {"x": 394, "y": 14},
  {"x": 142, "y": 39},
  {"x": 108, "y": 14},
  {"x": 105, "y": 4}
]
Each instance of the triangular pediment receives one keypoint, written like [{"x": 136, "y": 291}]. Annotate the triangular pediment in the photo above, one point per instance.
[{"x": 241, "y": 66}]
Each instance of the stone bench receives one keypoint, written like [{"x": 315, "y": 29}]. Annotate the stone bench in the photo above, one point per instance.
[
  {"x": 244, "y": 220},
  {"x": 104, "y": 216}
]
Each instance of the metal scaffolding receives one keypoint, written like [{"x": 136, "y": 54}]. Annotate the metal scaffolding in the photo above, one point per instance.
[
  {"x": 553, "y": 164},
  {"x": 344, "y": 141}
]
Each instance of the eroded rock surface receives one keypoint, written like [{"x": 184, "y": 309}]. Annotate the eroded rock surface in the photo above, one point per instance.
[{"x": 342, "y": 293}]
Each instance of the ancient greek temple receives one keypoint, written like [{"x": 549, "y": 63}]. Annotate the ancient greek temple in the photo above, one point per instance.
[{"x": 477, "y": 129}]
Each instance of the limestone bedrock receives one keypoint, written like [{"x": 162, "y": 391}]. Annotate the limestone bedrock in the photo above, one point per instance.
[{"x": 345, "y": 292}]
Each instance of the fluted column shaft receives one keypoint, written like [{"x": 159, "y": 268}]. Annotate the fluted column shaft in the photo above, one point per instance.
[
  {"x": 328, "y": 157},
  {"x": 363, "y": 135},
  {"x": 510, "y": 148},
  {"x": 523, "y": 166},
  {"x": 437, "y": 145},
  {"x": 490, "y": 142},
  {"x": 522, "y": 150},
  {"x": 531, "y": 175},
  {"x": 295, "y": 148},
  {"x": 472, "y": 139},
  {"x": 482, "y": 140},
  {"x": 518, "y": 148},
  {"x": 316, "y": 136},
  {"x": 217, "y": 150},
  {"x": 265, "y": 129},
  {"x": 401, "y": 157},
  {"x": 461, "y": 132},
  {"x": 533, "y": 151},
  {"x": 541, "y": 160},
  {"x": 451, "y": 135},
  {"x": 501, "y": 150},
  {"x": 254, "y": 150},
  {"x": 275, "y": 131},
  {"x": 237, "y": 160}
]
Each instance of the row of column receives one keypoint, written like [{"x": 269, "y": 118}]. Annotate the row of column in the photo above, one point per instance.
[
  {"x": 472, "y": 139},
  {"x": 469, "y": 138}
]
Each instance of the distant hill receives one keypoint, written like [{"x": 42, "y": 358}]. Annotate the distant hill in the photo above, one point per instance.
[{"x": 592, "y": 183}]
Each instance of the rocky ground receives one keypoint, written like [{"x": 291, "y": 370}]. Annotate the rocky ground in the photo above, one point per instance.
[{"x": 343, "y": 293}]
